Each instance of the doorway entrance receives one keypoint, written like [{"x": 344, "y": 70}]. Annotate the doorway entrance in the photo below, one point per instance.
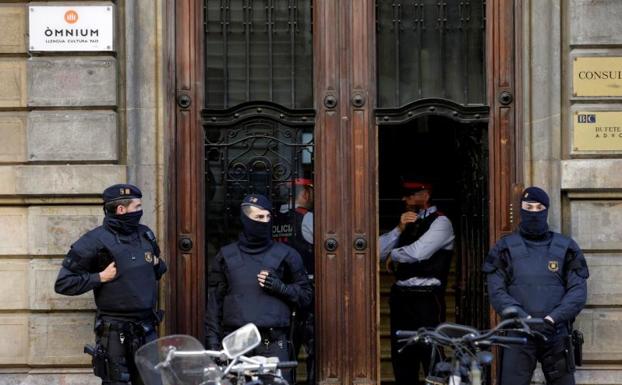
[
  {"x": 327, "y": 84},
  {"x": 452, "y": 155}
]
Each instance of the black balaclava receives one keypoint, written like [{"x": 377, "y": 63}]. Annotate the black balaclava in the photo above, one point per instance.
[
  {"x": 534, "y": 224},
  {"x": 256, "y": 236},
  {"x": 124, "y": 224}
]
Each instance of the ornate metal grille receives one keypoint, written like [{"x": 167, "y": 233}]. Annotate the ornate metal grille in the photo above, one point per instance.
[
  {"x": 430, "y": 49},
  {"x": 258, "y": 50},
  {"x": 472, "y": 301},
  {"x": 246, "y": 153}
]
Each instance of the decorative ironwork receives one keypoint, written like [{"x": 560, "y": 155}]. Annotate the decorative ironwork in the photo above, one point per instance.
[
  {"x": 253, "y": 148},
  {"x": 258, "y": 50},
  {"x": 430, "y": 49},
  {"x": 472, "y": 301},
  {"x": 432, "y": 106}
]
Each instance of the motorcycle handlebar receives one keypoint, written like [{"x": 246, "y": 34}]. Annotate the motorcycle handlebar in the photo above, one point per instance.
[
  {"x": 287, "y": 364},
  {"x": 406, "y": 333},
  {"x": 508, "y": 340}
]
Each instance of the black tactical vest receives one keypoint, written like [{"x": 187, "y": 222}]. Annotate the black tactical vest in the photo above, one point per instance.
[
  {"x": 245, "y": 301},
  {"x": 134, "y": 290},
  {"x": 437, "y": 266},
  {"x": 287, "y": 228},
  {"x": 536, "y": 278}
]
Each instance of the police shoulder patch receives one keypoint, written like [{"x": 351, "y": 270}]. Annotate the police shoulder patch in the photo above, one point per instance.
[{"x": 554, "y": 266}]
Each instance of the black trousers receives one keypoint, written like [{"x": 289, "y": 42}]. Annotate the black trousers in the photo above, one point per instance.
[
  {"x": 412, "y": 308},
  {"x": 519, "y": 362},
  {"x": 120, "y": 348},
  {"x": 304, "y": 336}
]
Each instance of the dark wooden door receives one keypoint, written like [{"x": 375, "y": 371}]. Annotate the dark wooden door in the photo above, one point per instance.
[
  {"x": 504, "y": 20},
  {"x": 345, "y": 171},
  {"x": 347, "y": 294}
]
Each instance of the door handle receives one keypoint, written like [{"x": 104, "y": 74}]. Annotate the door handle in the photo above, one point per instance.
[
  {"x": 331, "y": 244},
  {"x": 360, "y": 244}
]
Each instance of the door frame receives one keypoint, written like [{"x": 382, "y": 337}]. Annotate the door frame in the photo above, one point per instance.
[{"x": 346, "y": 173}]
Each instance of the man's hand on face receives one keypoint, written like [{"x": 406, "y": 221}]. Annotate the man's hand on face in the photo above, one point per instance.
[
  {"x": 406, "y": 218},
  {"x": 108, "y": 273}
]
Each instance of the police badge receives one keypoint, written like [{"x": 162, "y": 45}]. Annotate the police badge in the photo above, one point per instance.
[
  {"x": 553, "y": 266},
  {"x": 148, "y": 257}
]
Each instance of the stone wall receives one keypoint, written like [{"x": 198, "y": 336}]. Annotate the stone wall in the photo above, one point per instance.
[
  {"x": 70, "y": 125},
  {"x": 585, "y": 186}
]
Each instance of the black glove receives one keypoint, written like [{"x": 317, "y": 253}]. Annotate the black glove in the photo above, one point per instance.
[
  {"x": 547, "y": 329},
  {"x": 275, "y": 285}
]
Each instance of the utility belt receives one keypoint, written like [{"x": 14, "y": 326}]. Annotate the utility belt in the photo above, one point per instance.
[
  {"x": 437, "y": 289},
  {"x": 131, "y": 335}
]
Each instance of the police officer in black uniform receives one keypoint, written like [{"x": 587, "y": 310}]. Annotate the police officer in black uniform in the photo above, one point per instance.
[
  {"x": 293, "y": 225},
  {"x": 419, "y": 250},
  {"x": 256, "y": 280},
  {"x": 120, "y": 261},
  {"x": 543, "y": 274}
]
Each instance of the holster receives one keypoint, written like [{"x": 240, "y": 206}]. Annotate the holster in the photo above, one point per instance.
[
  {"x": 577, "y": 346},
  {"x": 99, "y": 360}
]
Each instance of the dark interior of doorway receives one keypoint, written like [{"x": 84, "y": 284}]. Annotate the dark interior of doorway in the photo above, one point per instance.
[{"x": 453, "y": 156}]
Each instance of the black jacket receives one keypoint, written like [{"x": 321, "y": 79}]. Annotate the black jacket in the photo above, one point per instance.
[
  {"x": 235, "y": 297},
  {"x": 540, "y": 278},
  {"x": 134, "y": 290}
]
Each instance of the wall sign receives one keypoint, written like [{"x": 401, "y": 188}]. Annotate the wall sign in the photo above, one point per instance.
[
  {"x": 597, "y": 131},
  {"x": 597, "y": 76},
  {"x": 71, "y": 28}
]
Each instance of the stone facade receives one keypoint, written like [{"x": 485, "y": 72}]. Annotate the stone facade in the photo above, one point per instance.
[
  {"x": 71, "y": 124},
  {"x": 584, "y": 185}
]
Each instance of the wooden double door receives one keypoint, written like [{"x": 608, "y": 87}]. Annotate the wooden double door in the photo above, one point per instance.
[{"x": 342, "y": 109}]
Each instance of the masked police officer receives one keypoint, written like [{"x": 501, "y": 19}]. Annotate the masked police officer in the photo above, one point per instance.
[
  {"x": 120, "y": 261},
  {"x": 256, "y": 280},
  {"x": 543, "y": 274},
  {"x": 420, "y": 250},
  {"x": 293, "y": 225}
]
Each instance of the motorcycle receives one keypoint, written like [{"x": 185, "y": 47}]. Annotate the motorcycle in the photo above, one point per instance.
[
  {"x": 469, "y": 349},
  {"x": 181, "y": 360}
]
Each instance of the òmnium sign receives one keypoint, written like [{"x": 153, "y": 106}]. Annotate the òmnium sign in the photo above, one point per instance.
[{"x": 71, "y": 28}]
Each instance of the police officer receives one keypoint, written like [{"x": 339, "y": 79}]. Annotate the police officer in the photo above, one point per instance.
[
  {"x": 294, "y": 223},
  {"x": 294, "y": 226},
  {"x": 256, "y": 280},
  {"x": 120, "y": 261},
  {"x": 543, "y": 274},
  {"x": 419, "y": 249}
]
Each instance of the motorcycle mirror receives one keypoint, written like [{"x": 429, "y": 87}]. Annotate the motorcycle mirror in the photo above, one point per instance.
[
  {"x": 509, "y": 312},
  {"x": 241, "y": 341},
  {"x": 484, "y": 357}
]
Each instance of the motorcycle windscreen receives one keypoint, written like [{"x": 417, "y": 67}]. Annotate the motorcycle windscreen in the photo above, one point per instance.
[{"x": 159, "y": 363}]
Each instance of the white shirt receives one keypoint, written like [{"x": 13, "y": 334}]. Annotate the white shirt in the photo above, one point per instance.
[
  {"x": 439, "y": 236},
  {"x": 307, "y": 223}
]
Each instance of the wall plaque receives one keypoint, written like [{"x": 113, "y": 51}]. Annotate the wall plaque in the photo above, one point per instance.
[
  {"x": 71, "y": 28},
  {"x": 597, "y": 131},
  {"x": 597, "y": 76}
]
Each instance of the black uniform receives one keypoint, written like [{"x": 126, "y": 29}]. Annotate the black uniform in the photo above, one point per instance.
[
  {"x": 126, "y": 306},
  {"x": 540, "y": 276},
  {"x": 288, "y": 229},
  {"x": 235, "y": 297},
  {"x": 413, "y": 307}
]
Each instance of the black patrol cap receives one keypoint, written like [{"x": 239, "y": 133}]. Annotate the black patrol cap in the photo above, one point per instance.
[
  {"x": 257, "y": 200},
  {"x": 121, "y": 191},
  {"x": 535, "y": 194}
]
